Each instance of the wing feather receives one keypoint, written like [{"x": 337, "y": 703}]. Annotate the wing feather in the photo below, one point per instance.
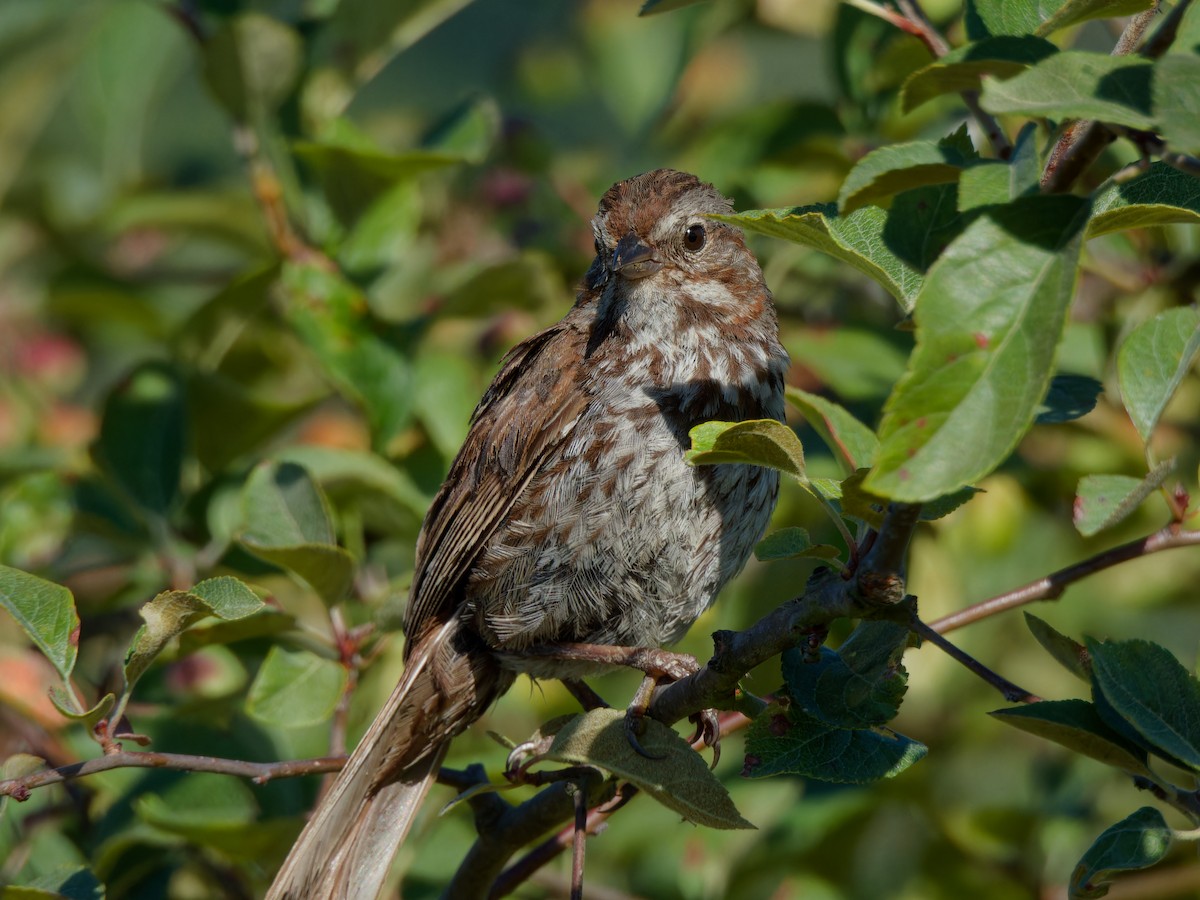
[{"x": 530, "y": 409}]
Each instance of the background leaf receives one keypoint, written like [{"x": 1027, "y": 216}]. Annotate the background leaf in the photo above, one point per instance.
[
  {"x": 1105, "y": 500},
  {"x": 1153, "y": 361},
  {"x": 295, "y": 688},
  {"x": 46, "y": 612}
]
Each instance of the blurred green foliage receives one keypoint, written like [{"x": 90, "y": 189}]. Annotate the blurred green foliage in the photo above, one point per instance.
[{"x": 264, "y": 255}]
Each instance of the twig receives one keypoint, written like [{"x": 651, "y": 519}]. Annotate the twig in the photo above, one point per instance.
[
  {"x": 260, "y": 772},
  {"x": 579, "y": 843},
  {"x": 520, "y": 871},
  {"x": 1082, "y": 142},
  {"x": 1012, "y": 693},
  {"x": 1052, "y": 586},
  {"x": 919, "y": 25}
]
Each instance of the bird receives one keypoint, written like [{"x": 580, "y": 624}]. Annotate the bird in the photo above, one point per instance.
[{"x": 571, "y": 527}]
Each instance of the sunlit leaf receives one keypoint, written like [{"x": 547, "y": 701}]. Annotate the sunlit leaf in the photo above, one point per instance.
[
  {"x": 679, "y": 777},
  {"x": 855, "y": 239},
  {"x": 989, "y": 320},
  {"x": 762, "y": 442},
  {"x": 1162, "y": 196},
  {"x": 852, "y": 442},
  {"x": 295, "y": 688},
  {"x": 1152, "y": 362},
  {"x": 46, "y": 612},
  {"x": 1076, "y": 84},
  {"x": 1104, "y": 500}
]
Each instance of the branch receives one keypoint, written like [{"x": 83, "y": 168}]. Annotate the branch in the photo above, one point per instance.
[
  {"x": 1081, "y": 143},
  {"x": 1012, "y": 693},
  {"x": 1052, "y": 586},
  {"x": 260, "y": 772},
  {"x": 937, "y": 45}
]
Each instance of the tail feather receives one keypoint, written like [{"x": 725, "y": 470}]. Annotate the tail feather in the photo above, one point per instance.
[{"x": 347, "y": 846}]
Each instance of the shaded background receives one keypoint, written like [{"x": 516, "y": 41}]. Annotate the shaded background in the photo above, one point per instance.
[{"x": 137, "y": 175}]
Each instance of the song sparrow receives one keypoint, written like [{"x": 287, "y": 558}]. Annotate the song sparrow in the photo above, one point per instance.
[{"x": 570, "y": 516}]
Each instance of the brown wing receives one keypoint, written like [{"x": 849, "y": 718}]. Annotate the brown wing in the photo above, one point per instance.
[{"x": 528, "y": 411}]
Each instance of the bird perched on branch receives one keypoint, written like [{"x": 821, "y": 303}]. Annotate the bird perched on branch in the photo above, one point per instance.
[{"x": 570, "y": 532}]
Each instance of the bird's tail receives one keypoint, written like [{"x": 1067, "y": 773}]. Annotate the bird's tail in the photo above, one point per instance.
[{"x": 346, "y": 848}]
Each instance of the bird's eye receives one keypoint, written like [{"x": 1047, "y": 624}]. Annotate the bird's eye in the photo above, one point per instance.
[{"x": 693, "y": 238}]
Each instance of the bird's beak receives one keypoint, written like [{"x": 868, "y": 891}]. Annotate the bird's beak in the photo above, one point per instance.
[{"x": 632, "y": 259}]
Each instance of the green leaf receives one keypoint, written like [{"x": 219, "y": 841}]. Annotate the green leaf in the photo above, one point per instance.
[
  {"x": 66, "y": 883},
  {"x": 337, "y": 469},
  {"x": 1072, "y": 12},
  {"x": 295, "y": 688},
  {"x": 650, "y": 7},
  {"x": 942, "y": 506},
  {"x": 678, "y": 778},
  {"x": 359, "y": 40},
  {"x": 283, "y": 506},
  {"x": 251, "y": 64},
  {"x": 852, "y": 442},
  {"x": 761, "y": 442},
  {"x": 172, "y": 612},
  {"x": 1076, "y": 725},
  {"x": 962, "y": 68},
  {"x": 142, "y": 436},
  {"x": 1177, "y": 101},
  {"x": 794, "y": 743},
  {"x": 46, "y": 612},
  {"x": 68, "y": 706},
  {"x": 1136, "y": 842},
  {"x": 1069, "y": 654},
  {"x": 1004, "y": 17},
  {"x": 900, "y": 167},
  {"x": 855, "y": 239},
  {"x": 856, "y": 363},
  {"x": 1017, "y": 17},
  {"x": 860, "y": 685},
  {"x": 355, "y": 174},
  {"x": 988, "y": 323},
  {"x": 1149, "y": 689},
  {"x": 1069, "y": 397},
  {"x": 446, "y": 388},
  {"x": 992, "y": 182},
  {"x": 1104, "y": 500},
  {"x": 227, "y": 597},
  {"x": 469, "y": 130},
  {"x": 1162, "y": 196},
  {"x": 859, "y": 503},
  {"x": 287, "y": 522},
  {"x": 330, "y": 316},
  {"x": 792, "y": 543},
  {"x": 1075, "y": 84},
  {"x": 1152, "y": 362}
]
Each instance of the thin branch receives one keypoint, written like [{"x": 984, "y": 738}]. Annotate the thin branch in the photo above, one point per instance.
[
  {"x": 579, "y": 843},
  {"x": 260, "y": 772},
  {"x": 1052, "y": 586},
  {"x": 520, "y": 871},
  {"x": 918, "y": 24},
  {"x": 1081, "y": 143},
  {"x": 1012, "y": 693}
]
